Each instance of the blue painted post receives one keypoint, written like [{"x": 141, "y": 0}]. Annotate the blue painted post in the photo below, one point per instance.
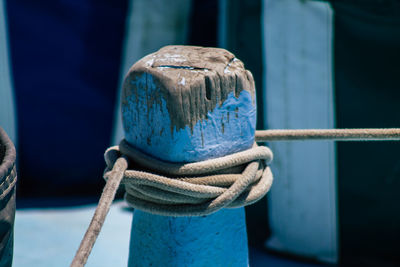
[{"x": 187, "y": 104}]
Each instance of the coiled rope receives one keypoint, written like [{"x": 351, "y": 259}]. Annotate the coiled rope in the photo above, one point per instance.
[
  {"x": 200, "y": 188},
  {"x": 193, "y": 189}
]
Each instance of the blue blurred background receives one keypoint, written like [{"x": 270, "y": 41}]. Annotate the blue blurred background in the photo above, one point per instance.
[{"x": 68, "y": 58}]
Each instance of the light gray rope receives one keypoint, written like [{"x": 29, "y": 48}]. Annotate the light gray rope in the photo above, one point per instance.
[
  {"x": 384, "y": 134},
  {"x": 100, "y": 214},
  {"x": 224, "y": 182},
  {"x": 193, "y": 189}
]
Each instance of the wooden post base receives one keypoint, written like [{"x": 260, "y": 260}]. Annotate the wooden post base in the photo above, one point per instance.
[{"x": 188, "y": 104}]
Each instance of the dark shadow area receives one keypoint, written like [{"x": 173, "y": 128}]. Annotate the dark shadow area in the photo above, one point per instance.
[
  {"x": 367, "y": 77},
  {"x": 54, "y": 202},
  {"x": 203, "y": 30},
  {"x": 62, "y": 201},
  {"x": 2, "y": 152},
  {"x": 65, "y": 63},
  {"x": 259, "y": 257}
]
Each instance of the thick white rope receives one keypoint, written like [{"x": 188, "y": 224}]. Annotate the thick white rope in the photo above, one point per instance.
[
  {"x": 183, "y": 193},
  {"x": 193, "y": 189},
  {"x": 100, "y": 214},
  {"x": 383, "y": 134}
]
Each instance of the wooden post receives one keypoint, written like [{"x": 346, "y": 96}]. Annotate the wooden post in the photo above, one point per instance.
[{"x": 187, "y": 104}]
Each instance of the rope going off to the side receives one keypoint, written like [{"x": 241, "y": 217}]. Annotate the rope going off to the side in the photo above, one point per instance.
[
  {"x": 200, "y": 188},
  {"x": 388, "y": 134}
]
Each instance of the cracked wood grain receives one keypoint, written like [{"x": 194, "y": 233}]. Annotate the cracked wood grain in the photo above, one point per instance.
[{"x": 192, "y": 80}]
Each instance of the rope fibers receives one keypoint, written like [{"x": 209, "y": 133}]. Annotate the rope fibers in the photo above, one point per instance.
[{"x": 201, "y": 188}]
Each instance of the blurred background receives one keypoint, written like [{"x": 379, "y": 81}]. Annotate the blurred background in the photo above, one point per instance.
[{"x": 316, "y": 64}]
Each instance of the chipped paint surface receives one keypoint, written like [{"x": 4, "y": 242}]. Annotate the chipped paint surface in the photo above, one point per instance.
[
  {"x": 216, "y": 240},
  {"x": 176, "y": 119},
  {"x": 227, "y": 129},
  {"x": 192, "y": 87}
]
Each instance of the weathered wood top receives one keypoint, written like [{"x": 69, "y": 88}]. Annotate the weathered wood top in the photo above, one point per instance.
[{"x": 192, "y": 80}]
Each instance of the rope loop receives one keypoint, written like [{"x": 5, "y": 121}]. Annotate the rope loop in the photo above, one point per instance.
[
  {"x": 192, "y": 189},
  {"x": 201, "y": 188}
]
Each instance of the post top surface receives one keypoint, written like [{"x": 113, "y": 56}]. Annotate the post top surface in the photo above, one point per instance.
[
  {"x": 193, "y": 76},
  {"x": 189, "y": 103},
  {"x": 192, "y": 57},
  {"x": 191, "y": 67}
]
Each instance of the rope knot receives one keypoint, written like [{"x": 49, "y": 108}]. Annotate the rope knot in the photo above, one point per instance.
[{"x": 192, "y": 189}]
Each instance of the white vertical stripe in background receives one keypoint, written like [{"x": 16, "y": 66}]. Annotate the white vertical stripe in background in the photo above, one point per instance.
[
  {"x": 7, "y": 104},
  {"x": 150, "y": 25},
  {"x": 298, "y": 38}
]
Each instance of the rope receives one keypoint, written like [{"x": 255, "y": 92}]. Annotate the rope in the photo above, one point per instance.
[
  {"x": 200, "y": 188},
  {"x": 100, "y": 214},
  {"x": 233, "y": 181},
  {"x": 193, "y": 189},
  {"x": 388, "y": 134}
]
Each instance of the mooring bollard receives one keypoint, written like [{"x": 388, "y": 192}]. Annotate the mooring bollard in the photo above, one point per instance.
[
  {"x": 189, "y": 115},
  {"x": 188, "y": 104}
]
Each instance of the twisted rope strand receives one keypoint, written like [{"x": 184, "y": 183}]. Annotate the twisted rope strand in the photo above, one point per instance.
[
  {"x": 384, "y": 134},
  {"x": 100, "y": 214},
  {"x": 162, "y": 192},
  {"x": 201, "y": 167},
  {"x": 195, "y": 196}
]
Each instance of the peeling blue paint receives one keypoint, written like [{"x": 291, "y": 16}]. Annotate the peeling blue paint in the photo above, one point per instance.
[
  {"x": 215, "y": 240},
  {"x": 218, "y": 239},
  {"x": 229, "y": 128}
]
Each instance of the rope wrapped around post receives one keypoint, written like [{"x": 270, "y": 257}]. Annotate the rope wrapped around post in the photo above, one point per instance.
[
  {"x": 193, "y": 189},
  {"x": 245, "y": 188},
  {"x": 190, "y": 104}
]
